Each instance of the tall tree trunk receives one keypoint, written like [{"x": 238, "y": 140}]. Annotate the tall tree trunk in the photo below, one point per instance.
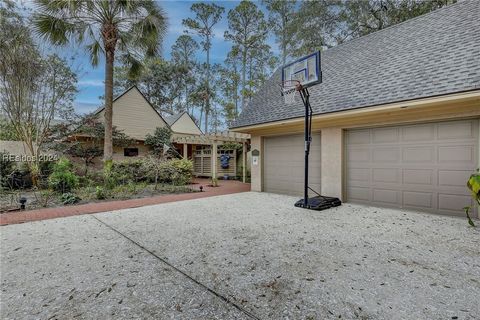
[
  {"x": 186, "y": 99},
  {"x": 207, "y": 105},
  {"x": 250, "y": 77},
  {"x": 244, "y": 71},
  {"x": 202, "y": 106},
  {"x": 108, "y": 143},
  {"x": 235, "y": 94},
  {"x": 284, "y": 38}
]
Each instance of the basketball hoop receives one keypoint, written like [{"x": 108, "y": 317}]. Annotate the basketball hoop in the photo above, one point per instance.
[{"x": 290, "y": 89}]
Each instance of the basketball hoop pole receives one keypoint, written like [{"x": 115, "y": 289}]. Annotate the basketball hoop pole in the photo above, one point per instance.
[
  {"x": 297, "y": 77},
  {"x": 305, "y": 95}
]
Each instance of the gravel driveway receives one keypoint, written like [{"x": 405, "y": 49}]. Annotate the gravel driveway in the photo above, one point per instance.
[{"x": 242, "y": 256}]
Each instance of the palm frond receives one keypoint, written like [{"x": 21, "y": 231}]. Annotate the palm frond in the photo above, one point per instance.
[
  {"x": 53, "y": 29},
  {"x": 139, "y": 26},
  {"x": 94, "y": 49},
  {"x": 135, "y": 65}
]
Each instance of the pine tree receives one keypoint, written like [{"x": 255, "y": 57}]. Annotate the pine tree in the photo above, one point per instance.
[
  {"x": 183, "y": 53},
  {"x": 248, "y": 31},
  {"x": 207, "y": 15},
  {"x": 280, "y": 16}
]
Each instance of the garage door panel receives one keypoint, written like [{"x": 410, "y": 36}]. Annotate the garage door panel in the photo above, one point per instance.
[
  {"x": 359, "y": 193},
  {"x": 418, "y": 154},
  {"x": 453, "y": 178},
  {"x": 389, "y": 175},
  {"x": 359, "y": 137},
  {"x": 456, "y": 130},
  {"x": 385, "y": 135},
  {"x": 417, "y": 199},
  {"x": 386, "y": 196},
  {"x": 386, "y": 154},
  {"x": 422, "y": 166},
  {"x": 418, "y": 176},
  {"x": 359, "y": 154},
  {"x": 418, "y": 133},
  {"x": 451, "y": 202},
  {"x": 456, "y": 154},
  {"x": 284, "y": 164},
  {"x": 359, "y": 174}
]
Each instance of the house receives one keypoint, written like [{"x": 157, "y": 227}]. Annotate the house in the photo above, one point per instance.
[
  {"x": 135, "y": 116},
  {"x": 182, "y": 123},
  {"x": 396, "y": 118}
]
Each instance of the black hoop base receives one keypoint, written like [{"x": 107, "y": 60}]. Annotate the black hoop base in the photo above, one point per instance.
[{"x": 318, "y": 203}]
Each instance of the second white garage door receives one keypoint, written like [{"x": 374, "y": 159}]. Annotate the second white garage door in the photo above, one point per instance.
[
  {"x": 284, "y": 164},
  {"x": 423, "y": 167}
]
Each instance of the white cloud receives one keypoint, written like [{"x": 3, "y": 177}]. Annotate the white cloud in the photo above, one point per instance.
[
  {"x": 91, "y": 83},
  {"x": 85, "y": 107}
]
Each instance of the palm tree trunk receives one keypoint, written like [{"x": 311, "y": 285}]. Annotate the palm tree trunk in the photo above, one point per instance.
[{"x": 108, "y": 143}]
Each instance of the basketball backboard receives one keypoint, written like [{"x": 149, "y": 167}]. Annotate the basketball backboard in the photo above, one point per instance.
[{"x": 306, "y": 70}]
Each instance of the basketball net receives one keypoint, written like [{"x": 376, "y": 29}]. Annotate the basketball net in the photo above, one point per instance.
[
  {"x": 290, "y": 90},
  {"x": 289, "y": 96}
]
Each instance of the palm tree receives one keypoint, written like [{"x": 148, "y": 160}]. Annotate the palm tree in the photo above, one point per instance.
[{"x": 133, "y": 28}]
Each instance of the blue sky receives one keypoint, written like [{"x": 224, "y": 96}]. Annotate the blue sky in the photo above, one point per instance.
[{"x": 90, "y": 83}]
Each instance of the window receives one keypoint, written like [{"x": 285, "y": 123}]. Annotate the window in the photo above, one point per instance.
[{"x": 130, "y": 152}]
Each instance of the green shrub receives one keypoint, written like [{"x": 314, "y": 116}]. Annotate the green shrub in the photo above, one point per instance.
[
  {"x": 14, "y": 175},
  {"x": 161, "y": 137},
  {"x": 69, "y": 198},
  {"x": 44, "y": 197},
  {"x": 6, "y": 169},
  {"x": 177, "y": 171},
  {"x": 63, "y": 179},
  {"x": 91, "y": 179},
  {"x": 45, "y": 170},
  {"x": 100, "y": 193},
  {"x": 183, "y": 171},
  {"x": 126, "y": 191},
  {"x": 125, "y": 172}
]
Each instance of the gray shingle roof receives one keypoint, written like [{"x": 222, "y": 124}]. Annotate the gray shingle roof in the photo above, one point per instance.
[
  {"x": 173, "y": 118},
  {"x": 434, "y": 54}
]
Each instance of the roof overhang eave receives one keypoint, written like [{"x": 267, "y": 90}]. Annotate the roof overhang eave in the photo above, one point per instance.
[{"x": 471, "y": 95}]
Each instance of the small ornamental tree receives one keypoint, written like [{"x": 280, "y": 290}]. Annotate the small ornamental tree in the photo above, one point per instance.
[
  {"x": 35, "y": 87},
  {"x": 84, "y": 139},
  {"x": 160, "y": 137}
]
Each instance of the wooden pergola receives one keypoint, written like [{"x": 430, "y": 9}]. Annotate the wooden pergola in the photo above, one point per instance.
[{"x": 215, "y": 140}]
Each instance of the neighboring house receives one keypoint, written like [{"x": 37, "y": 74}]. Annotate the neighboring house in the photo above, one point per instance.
[
  {"x": 134, "y": 115},
  {"x": 20, "y": 149},
  {"x": 396, "y": 119},
  {"x": 182, "y": 123}
]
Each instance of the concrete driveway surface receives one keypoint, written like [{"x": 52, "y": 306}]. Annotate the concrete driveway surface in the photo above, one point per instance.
[{"x": 242, "y": 256}]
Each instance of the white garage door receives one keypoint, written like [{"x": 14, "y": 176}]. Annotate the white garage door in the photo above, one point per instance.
[
  {"x": 422, "y": 167},
  {"x": 284, "y": 164}
]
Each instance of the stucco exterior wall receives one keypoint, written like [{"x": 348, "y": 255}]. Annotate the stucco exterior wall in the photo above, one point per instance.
[
  {"x": 332, "y": 162},
  {"x": 256, "y": 170}
]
